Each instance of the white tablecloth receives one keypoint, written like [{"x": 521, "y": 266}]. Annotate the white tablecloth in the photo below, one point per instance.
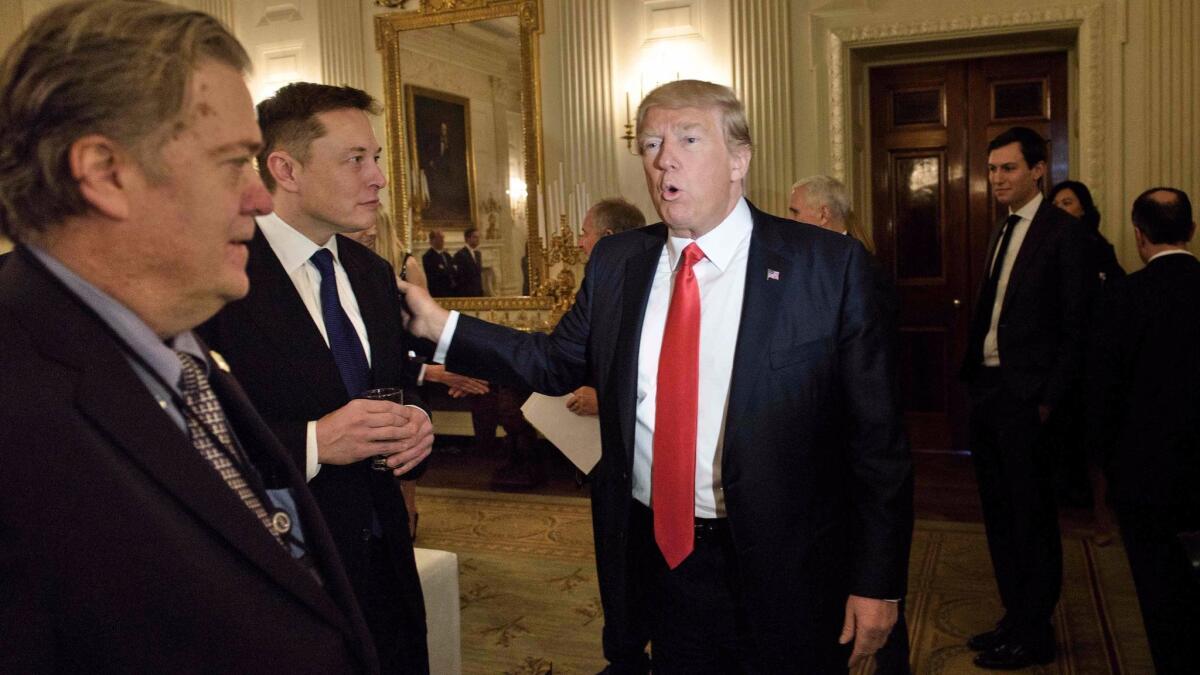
[{"x": 439, "y": 582}]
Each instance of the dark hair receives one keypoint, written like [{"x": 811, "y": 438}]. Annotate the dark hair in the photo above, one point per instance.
[
  {"x": 617, "y": 215},
  {"x": 1163, "y": 221},
  {"x": 119, "y": 68},
  {"x": 469, "y": 231},
  {"x": 1033, "y": 146},
  {"x": 1091, "y": 215},
  {"x": 289, "y": 119}
]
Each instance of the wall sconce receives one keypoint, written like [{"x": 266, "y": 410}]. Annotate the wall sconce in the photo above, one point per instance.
[
  {"x": 491, "y": 207},
  {"x": 628, "y": 137}
]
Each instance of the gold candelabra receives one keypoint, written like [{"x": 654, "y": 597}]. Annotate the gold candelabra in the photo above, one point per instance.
[{"x": 562, "y": 247}]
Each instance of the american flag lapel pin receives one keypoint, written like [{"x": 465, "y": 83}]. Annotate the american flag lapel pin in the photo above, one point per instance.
[{"x": 772, "y": 275}]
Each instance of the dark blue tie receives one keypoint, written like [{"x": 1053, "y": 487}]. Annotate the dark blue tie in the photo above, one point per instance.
[{"x": 343, "y": 339}]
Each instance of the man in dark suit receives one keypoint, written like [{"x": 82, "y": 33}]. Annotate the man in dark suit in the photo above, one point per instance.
[
  {"x": 824, "y": 201},
  {"x": 152, "y": 522},
  {"x": 468, "y": 266},
  {"x": 320, "y": 326},
  {"x": 439, "y": 268},
  {"x": 752, "y": 506},
  {"x": 1144, "y": 420},
  {"x": 1023, "y": 355}
]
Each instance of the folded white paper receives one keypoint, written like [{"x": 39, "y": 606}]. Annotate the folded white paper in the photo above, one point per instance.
[{"x": 576, "y": 436}]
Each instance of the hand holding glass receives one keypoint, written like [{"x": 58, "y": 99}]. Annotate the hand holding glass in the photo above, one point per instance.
[{"x": 393, "y": 394}]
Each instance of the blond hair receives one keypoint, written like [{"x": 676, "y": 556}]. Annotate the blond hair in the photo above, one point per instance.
[
  {"x": 703, "y": 95},
  {"x": 119, "y": 68}
]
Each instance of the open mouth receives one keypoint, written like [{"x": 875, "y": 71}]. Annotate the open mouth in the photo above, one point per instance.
[{"x": 670, "y": 191}]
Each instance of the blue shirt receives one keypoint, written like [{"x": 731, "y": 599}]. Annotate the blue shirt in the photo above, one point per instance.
[{"x": 149, "y": 351}]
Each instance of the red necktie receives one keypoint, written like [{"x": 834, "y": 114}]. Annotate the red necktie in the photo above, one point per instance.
[{"x": 673, "y": 471}]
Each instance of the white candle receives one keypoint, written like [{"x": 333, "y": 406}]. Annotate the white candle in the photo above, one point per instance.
[
  {"x": 562, "y": 202},
  {"x": 541, "y": 215}
]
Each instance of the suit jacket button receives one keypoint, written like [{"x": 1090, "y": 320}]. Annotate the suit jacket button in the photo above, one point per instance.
[{"x": 366, "y": 534}]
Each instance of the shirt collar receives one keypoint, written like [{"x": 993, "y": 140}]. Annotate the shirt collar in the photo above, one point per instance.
[
  {"x": 719, "y": 244},
  {"x": 158, "y": 354},
  {"x": 292, "y": 248},
  {"x": 1030, "y": 210},
  {"x": 1174, "y": 251}
]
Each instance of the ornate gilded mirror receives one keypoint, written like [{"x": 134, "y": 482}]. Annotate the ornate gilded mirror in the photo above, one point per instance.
[{"x": 464, "y": 132}]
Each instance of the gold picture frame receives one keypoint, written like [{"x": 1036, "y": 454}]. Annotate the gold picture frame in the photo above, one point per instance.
[{"x": 442, "y": 160}]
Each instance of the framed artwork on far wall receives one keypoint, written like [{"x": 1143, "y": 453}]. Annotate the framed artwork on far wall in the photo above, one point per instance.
[{"x": 443, "y": 168}]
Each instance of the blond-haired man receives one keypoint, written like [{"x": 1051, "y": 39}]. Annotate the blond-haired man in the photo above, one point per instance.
[
  {"x": 152, "y": 522},
  {"x": 752, "y": 505}
]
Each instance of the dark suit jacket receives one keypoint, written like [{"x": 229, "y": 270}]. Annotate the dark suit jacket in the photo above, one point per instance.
[
  {"x": 1144, "y": 385},
  {"x": 1043, "y": 313},
  {"x": 121, "y": 549},
  {"x": 271, "y": 343},
  {"x": 439, "y": 272},
  {"x": 468, "y": 275},
  {"x": 816, "y": 469}
]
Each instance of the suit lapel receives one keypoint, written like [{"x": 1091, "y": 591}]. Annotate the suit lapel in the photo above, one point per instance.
[
  {"x": 639, "y": 278},
  {"x": 1039, "y": 228},
  {"x": 275, "y": 307},
  {"x": 761, "y": 300},
  {"x": 374, "y": 310},
  {"x": 134, "y": 424}
]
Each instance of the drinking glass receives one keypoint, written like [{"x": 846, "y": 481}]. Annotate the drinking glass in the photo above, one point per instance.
[{"x": 393, "y": 394}]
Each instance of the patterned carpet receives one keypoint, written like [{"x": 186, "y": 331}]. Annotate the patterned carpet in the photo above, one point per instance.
[{"x": 530, "y": 604}]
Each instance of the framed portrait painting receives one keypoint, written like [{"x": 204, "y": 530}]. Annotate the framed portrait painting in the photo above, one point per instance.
[{"x": 443, "y": 172}]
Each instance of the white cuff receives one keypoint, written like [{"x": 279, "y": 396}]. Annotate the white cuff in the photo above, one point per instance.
[
  {"x": 421, "y": 376},
  {"x": 311, "y": 466},
  {"x": 443, "y": 345}
]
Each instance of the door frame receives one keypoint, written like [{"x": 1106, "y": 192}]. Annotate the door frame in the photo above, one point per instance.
[{"x": 850, "y": 51}]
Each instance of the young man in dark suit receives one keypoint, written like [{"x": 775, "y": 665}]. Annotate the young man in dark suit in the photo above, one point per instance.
[
  {"x": 439, "y": 267},
  {"x": 468, "y": 266},
  {"x": 753, "y": 502},
  {"x": 1023, "y": 355},
  {"x": 320, "y": 326},
  {"x": 152, "y": 522},
  {"x": 1144, "y": 421}
]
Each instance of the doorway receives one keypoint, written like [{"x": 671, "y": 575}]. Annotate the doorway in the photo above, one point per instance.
[{"x": 933, "y": 210}]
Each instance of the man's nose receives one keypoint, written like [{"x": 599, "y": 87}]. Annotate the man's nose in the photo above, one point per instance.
[
  {"x": 256, "y": 200},
  {"x": 378, "y": 178}
]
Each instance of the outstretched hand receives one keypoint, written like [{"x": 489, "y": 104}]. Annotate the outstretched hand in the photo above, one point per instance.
[
  {"x": 423, "y": 317},
  {"x": 435, "y": 372}
]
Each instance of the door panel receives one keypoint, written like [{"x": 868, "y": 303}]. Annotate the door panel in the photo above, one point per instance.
[{"x": 933, "y": 211}]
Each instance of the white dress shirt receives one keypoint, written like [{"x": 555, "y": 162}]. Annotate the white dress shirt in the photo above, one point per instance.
[
  {"x": 294, "y": 250},
  {"x": 721, "y": 279},
  {"x": 991, "y": 343}
]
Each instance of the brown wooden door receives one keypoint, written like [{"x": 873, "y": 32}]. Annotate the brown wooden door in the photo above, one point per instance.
[{"x": 933, "y": 209}]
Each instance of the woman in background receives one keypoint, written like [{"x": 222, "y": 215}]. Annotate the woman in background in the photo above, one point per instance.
[{"x": 1076, "y": 199}]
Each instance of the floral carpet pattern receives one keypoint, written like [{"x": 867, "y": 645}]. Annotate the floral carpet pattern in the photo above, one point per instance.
[{"x": 530, "y": 605}]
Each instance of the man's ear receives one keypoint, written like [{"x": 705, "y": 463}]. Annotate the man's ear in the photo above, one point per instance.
[
  {"x": 741, "y": 163},
  {"x": 1039, "y": 171},
  {"x": 824, "y": 215},
  {"x": 284, "y": 169},
  {"x": 101, "y": 168}
]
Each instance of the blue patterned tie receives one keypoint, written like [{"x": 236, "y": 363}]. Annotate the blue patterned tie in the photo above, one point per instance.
[{"x": 343, "y": 339}]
